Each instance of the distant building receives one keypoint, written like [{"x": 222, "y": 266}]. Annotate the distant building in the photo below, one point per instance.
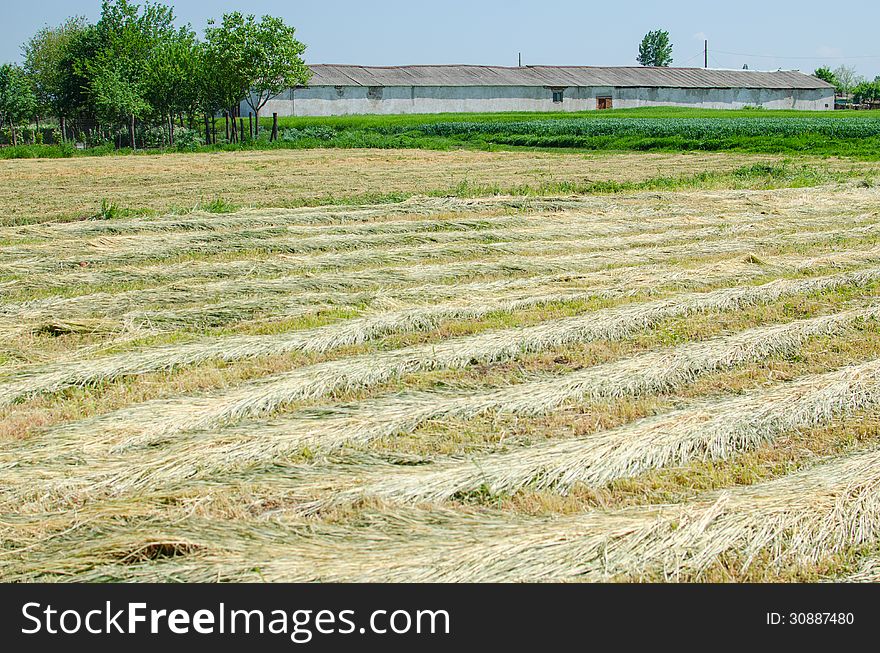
[{"x": 341, "y": 90}]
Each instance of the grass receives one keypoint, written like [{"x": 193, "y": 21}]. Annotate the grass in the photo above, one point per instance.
[
  {"x": 658, "y": 376},
  {"x": 36, "y": 191},
  {"x": 666, "y": 129}
]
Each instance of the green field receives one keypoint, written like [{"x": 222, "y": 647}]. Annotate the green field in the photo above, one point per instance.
[{"x": 660, "y": 129}]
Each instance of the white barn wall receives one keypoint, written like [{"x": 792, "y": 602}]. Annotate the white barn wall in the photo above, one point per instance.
[{"x": 347, "y": 100}]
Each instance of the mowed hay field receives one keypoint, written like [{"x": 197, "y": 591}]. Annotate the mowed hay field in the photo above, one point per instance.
[
  {"x": 665, "y": 386},
  {"x": 35, "y": 190}
]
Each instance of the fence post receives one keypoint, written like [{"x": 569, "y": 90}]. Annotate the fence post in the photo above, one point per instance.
[{"x": 274, "y": 126}]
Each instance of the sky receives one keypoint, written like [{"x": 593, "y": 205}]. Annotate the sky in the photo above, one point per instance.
[{"x": 766, "y": 35}]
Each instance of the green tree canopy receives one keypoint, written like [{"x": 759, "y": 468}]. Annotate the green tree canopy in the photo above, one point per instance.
[
  {"x": 253, "y": 60},
  {"x": 655, "y": 49},
  {"x": 867, "y": 92},
  {"x": 170, "y": 79},
  {"x": 17, "y": 99},
  {"x": 826, "y": 75},
  {"x": 47, "y": 59}
]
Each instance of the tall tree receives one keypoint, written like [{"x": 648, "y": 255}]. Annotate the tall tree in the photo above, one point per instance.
[
  {"x": 259, "y": 59},
  {"x": 171, "y": 76},
  {"x": 47, "y": 63},
  {"x": 128, "y": 34},
  {"x": 17, "y": 99},
  {"x": 655, "y": 49},
  {"x": 847, "y": 79},
  {"x": 826, "y": 75}
]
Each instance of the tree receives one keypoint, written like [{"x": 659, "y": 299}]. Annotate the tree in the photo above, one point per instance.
[
  {"x": 171, "y": 76},
  {"x": 655, "y": 49},
  {"x": 17, "y": 99},
  {"x": 826, "y": 75},
  {"x": 45, "y": 55},
  {"x": 867, "y": 92},
  {"x": 259, "y": 60},
  {"x": 117, "y": 99},
  {"x": 847, "y": 79},
  {"x": 128, "y": 35}
]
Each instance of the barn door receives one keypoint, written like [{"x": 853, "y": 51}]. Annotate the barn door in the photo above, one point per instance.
[{"x": 603, "y": 102}]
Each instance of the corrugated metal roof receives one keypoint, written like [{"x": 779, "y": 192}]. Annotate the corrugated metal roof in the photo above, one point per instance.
[{"x": 640, "y": 76}]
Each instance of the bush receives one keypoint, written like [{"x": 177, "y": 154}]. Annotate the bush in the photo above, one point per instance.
[
  {"x": 318, "y": 132},
  {"x": 187, "y": 139}
]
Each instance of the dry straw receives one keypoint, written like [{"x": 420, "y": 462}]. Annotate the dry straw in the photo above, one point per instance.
[
  {"x": 162, "y": 417},
  {"x": 714, "y": 429},
  {"x": 799, "y": 519},
  {"x": 421, "y": 255}
]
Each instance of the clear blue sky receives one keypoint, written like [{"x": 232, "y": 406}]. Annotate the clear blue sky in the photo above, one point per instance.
[{"x": 803, "y": 34}]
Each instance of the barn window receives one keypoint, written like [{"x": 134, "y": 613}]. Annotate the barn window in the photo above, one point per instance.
[
  {"x": 557, "y": 95},
  {"x": 603, "y": 102},
  {"x": 374, "y": 92}
]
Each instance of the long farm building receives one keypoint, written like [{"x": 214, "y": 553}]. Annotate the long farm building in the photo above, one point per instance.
[{"x": 346, "y": 89}]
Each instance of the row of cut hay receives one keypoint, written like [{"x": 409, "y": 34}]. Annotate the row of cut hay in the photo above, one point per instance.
[
  {"x": 371, "y": 234},
  {"x": 330, "y": 216},
  {"x": 318, "y": 251},
  {"x": 674, "y": 438},
  {"x": 132, "y": 248},
  {"x": 711, "y": 430},
  {"x": 128, "y": 249},
  {"x": 595, "y": 244},
  {"x": 634, "y": 235},
  {"x": 868, "y": 572},
  {"x": 20, "y": 317},
  {"x": 316, "y": 381},
  {"x": 370, "y": 267},
  {"x": 128, "y": 309},
  {"x": 444, "y": 228},
  {"x": 797, "y": 520},
  {"x": 265, "y": 224},
  {"x": 367, "y": 370},
  {"x": 196, "y": 306},
  {"x": 115, "y": 437},
  {"x": 681, "y": 205},
  {"x": 177, "y": 294},
  {"x": 236, "y": 347},
  {"x": 52, "y": 377}
]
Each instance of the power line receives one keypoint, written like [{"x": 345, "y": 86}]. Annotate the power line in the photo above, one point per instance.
[{"x": 773, "y": 56}]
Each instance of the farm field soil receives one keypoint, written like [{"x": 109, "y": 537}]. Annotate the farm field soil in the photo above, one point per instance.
[
  {"x": 43, "y": 189},
  {"x": 674, "y": 385}
]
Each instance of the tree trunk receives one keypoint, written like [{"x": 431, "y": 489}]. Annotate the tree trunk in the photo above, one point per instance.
[
  {"x": 226, "y": 119},
  {"x": 207, "y": 130},
  {"x": 14, "y": 136},
  {"x": 213, "y": 130},
  {"x": 241, "y": 129},
  {"x": 63, "y": 123},
  {"x": 131, "y": 134},
  {"x": 251, "y": 124},
  {"x": 170, "y": 130},
  {"x": 274, "y": 126},
  {"x": 257, "y": 123}
]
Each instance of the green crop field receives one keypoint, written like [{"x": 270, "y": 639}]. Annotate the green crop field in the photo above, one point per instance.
[
  {"x": 661, "y": 129},
  {"x": 818, "y": 133}
]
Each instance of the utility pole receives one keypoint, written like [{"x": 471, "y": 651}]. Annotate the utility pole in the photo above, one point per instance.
[{"x": 706, "y": 53}]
